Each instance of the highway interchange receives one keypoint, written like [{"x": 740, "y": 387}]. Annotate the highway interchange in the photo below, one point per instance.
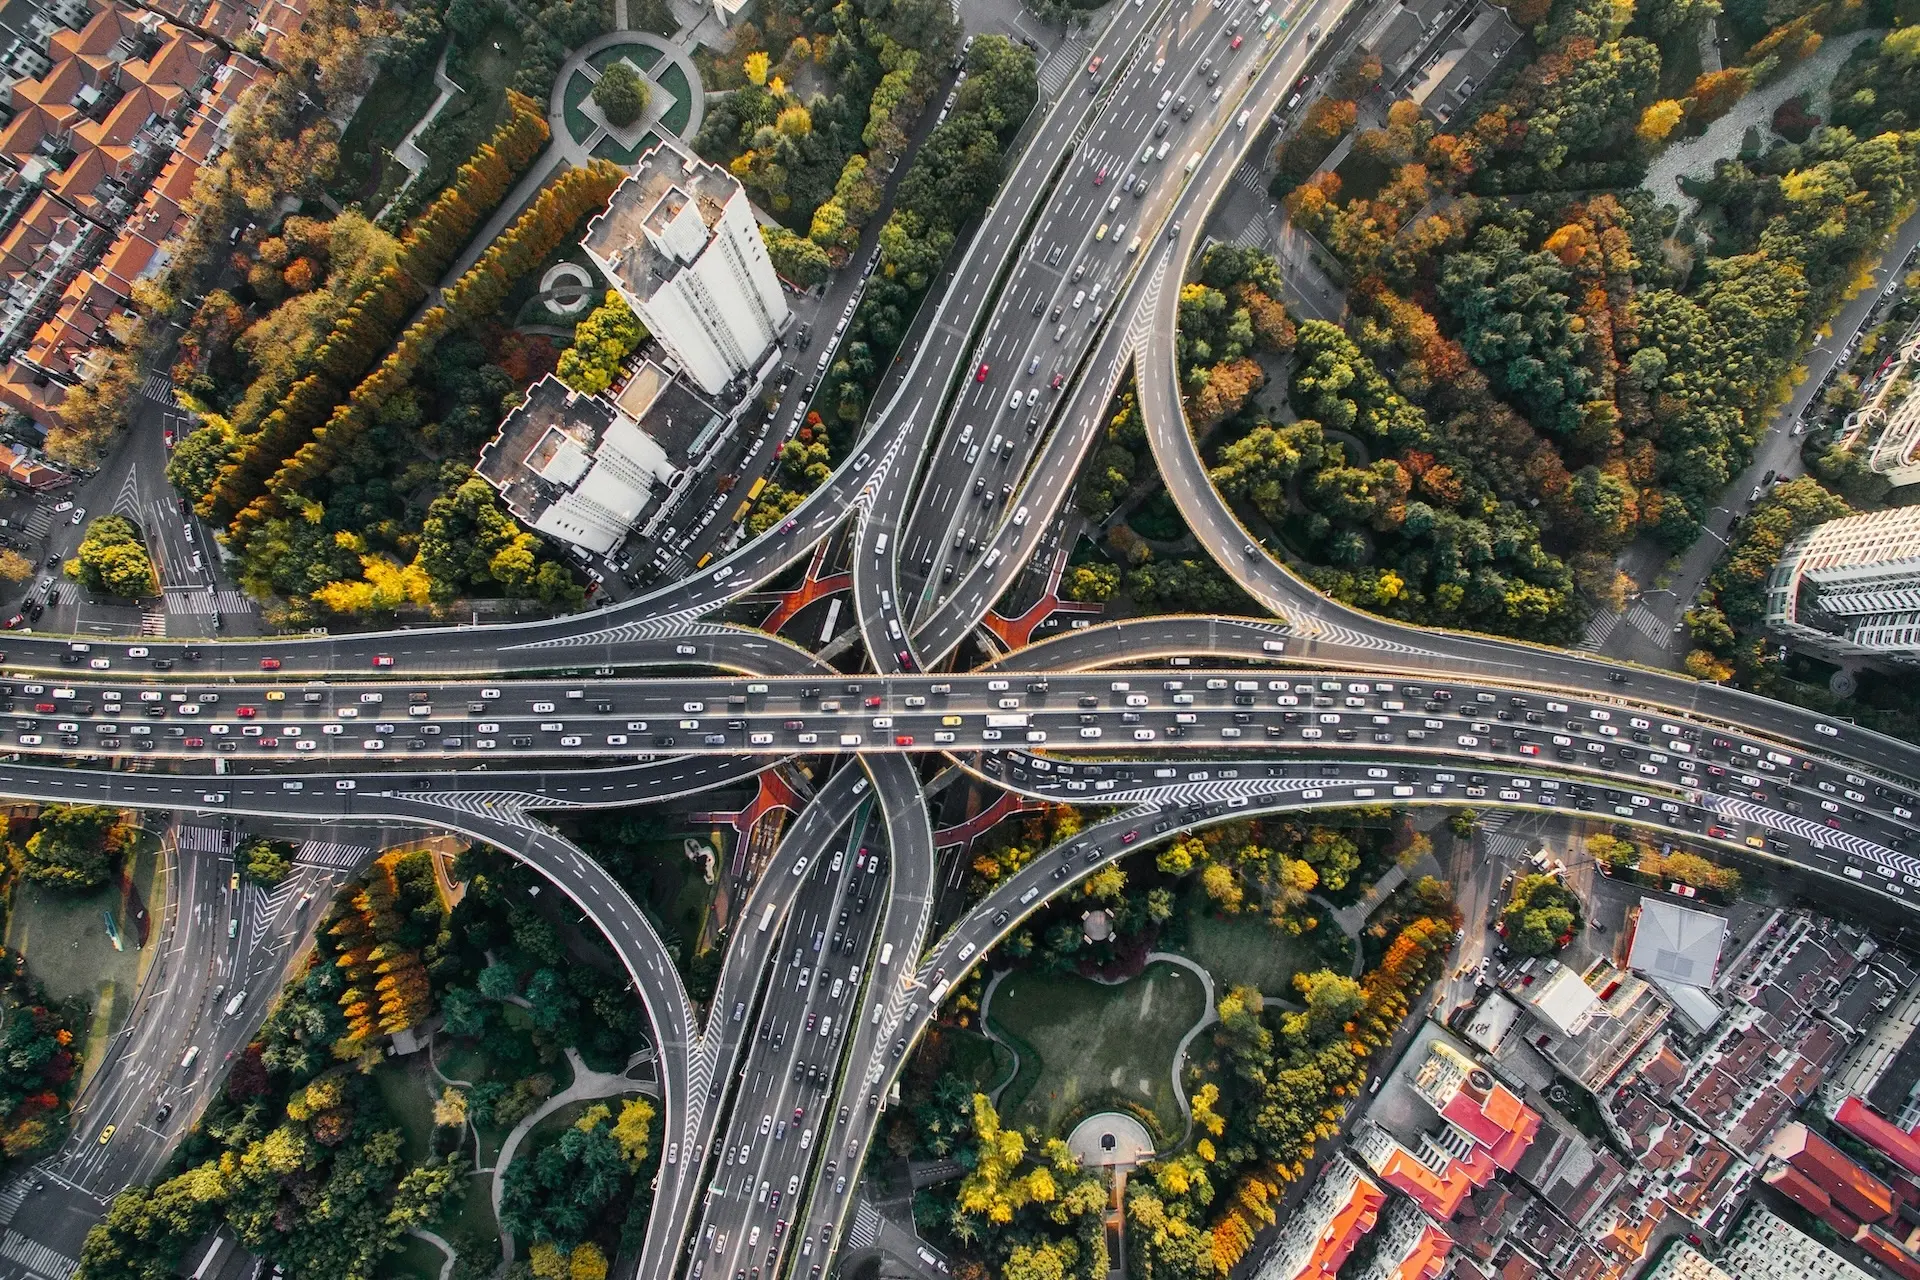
[{"x": 773, "y": 1093}]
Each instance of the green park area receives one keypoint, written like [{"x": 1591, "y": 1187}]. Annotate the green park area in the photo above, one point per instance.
[
  {"x": 1081, "y": 1041},
  {"x": 1245, "y": 950}
]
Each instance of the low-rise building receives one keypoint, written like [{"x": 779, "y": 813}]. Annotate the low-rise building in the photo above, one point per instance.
[{"x": 1343, "y": 1206}]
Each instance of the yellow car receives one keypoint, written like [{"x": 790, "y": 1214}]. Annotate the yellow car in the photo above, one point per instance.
[
  {"x": 106, "y": 1135},
  {"x": 950, "y": 720},
  {"x": 276, "y": 695}
]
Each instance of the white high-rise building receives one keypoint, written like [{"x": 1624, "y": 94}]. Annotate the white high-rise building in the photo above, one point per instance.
[
  {"x": 1851, "y": 587},
  {"x": 1764, "y": 1247},
  {"x": 680, "y": 243}
]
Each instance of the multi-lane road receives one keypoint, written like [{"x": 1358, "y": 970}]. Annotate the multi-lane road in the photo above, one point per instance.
[{"x": 772, "y": 1094}]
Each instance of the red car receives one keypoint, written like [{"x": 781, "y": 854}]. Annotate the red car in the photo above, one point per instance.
[
  {"x": 383, "y": 660},
  {"x": 269, "y": 664},
  {"x": 1236, "y": 42},
  {"x": 1130, "y": 837},
  {"x": 1093, "y": 67},
  {"x": 195, "y": 742},
  {"x": 1058, "y": 378},
  {"x": 873, "y": 700},
  {"x": 902, "y": 739},
  {"x": 1100, "y": 178},
  {"x": 982, "y": 375},
  {"x": 245, "y": 713},
  {"x": 267, "y": 744}
]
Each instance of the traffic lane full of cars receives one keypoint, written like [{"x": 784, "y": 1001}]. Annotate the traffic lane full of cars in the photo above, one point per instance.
[
  {"x": 565, "y": 720},
  {"x": 778, "y": 1120},
  {"x": 1758, "y": 825},
  {"x": 1325, "y": 710},
  {"x": 1008, "y": 546},
  {"x": 1065, "y": 281}
]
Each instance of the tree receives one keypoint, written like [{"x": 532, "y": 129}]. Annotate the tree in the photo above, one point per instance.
[
  {"x": 450, "y": 1109},
  {"x": 797, "y": 258},
  {"x": 76, "y": 846},
  {"x": 1658, "y": 120},
  {"x": 113, "y": 559},
  {"x": 1094, "y": 583},
  {"x": 602, "y": 341},
  {"x": 621, "y": 94},
  {"x": 1540, "y": 916},
  {"x": 633, "y": 1131},
  {"x": 14, "y": 567},
  {"x": 266, "y": 862}
]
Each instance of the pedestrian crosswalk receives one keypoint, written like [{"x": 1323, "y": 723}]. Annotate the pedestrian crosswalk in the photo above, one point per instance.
[
  {"x": 1648, "y": 623},
  {"x": 153, "y": 621},
  {"x": 866, "y": 1227},
  {"x": 1060, "y": 66},
  {"x": 1249, "y": 177},
  {"x": 200, "y": 839},
  {"x": 1502, "y": 846},
  {"x": 158, "y": 388},
  {"x": 326, "y": 853},
  {"x": 1254, "y": 234},
  {"x": 1599, "y": 629},
  {"x": 39, "y": 520},
  {"x": 200, "y": 600},
  {"x": 36, "y": 1257},
  {"x": 13, "y": 1196}
]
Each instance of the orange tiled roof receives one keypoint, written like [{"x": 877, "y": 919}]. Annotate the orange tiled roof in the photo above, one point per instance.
[
  {"x": 1428, "y": 1257},
  {"x": 124, "y": 122},
  {"x": 21, "y": 138},
  {"x": 1833, "y": 1171},
  {"x": 1895, "y": 1143},
  {"x": 19, "y": 390},
  {"x": 1351, "y": 1220}
]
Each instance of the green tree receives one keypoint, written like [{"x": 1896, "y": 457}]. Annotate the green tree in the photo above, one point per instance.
[
  {"x": 76, "y": 846},
  {"x": 266, "y": 862},
  {"x": 622, "y": 94},
  {"x": 113, "y": 559},
  {"x": 1540, "y": 913}
]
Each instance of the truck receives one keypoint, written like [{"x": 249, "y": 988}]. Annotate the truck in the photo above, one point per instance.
[{"x": 1007, "y": 720}]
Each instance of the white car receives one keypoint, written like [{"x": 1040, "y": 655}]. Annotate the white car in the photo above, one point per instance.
[
  {"x": 570, "y": 740},
  {"x": 100, "y": 664},
  {"x": 138, "y": 651},
  {"x": 333, "y": 730},
  {"x": 1143, "y": 735},
  {"x": 1089, "y": 733},
  {"x": 373, "y": 744},
  {"x": 616, "y": 739},
  {"x": 79, "y": 514},
  {"x": 1827, "y": 729},
  {"x": 306, "y": 744},
  {"x": 63, "y": 506}
]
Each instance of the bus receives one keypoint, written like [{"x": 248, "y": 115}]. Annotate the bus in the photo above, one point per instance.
[
  {"x": 741, "y": 514},
  {"x": 766, "y": 917},
  {"x": 1007, "y": 721},
  {"x": 758, "y": 485}
]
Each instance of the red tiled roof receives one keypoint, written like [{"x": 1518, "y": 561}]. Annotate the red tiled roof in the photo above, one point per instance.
[
  {"x": 1768, "y": 1108},
  {"x": 1428, "y": 1257},
  {"x": 1895, "y": 1143},
  {"x": 1350, "y": 1221},
  {"x": 1800, "y": 1189},
  {"x": 1881, "y": 1246},
  {"x": 1833, "y": 1171},
  {"x": 19, "y": 390}
]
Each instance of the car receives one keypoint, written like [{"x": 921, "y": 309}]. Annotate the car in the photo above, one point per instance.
[
  {"x": 100, "y": 664},
  {"x": 79, "y": 514},
  {"x": 382, "y": 660},
  {"x": 902, "y": 739},
  {"x": 269, "y": 664},
  {"x": 981, "y": 376},
  {"x": 138, "y": 651},
  {"x": 1826, "y": 729},
  {"x": 166, "y": 1109},
  {"x": 1236, "y": 42},
  {"x": 1094, "y": 64},
  {"x": 1100, "y": 178},
  {"x": 1131, "y": 836}
]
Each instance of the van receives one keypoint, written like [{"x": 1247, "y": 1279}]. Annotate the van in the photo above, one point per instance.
[
  {"x": 193, "y": 1056},
  {"x": 1193, "y": 162},
  {"x": 1166, "y": 96},
  {"x": 234, "y": 1005},
  {"x": 849, "y": 739},
  {"x": 886, "y": 952}
]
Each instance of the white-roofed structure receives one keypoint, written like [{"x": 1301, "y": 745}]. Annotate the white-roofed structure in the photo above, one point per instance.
[{"x": 1676, "y": 944}]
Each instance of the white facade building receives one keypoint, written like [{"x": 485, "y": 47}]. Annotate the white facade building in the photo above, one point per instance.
[
  {"x": 680, "y": 243},
  {"x": 1765, "y": 1247},
  {"x": 1851, "y": 587}
]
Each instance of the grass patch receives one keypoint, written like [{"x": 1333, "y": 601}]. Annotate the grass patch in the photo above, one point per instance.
[
  {"x": 1246, "y": 951},
  {"x": 674, "y": 81},
  {"x": 608, "y": 149},
  {"x": 578, "y": 90},
  {"x": 417, "y": 1260},
  {"x": 64, "y": 939},
  {"x": 642, "y": 56},
  {"x": 393, "y": 105},
  {"x": 980, "y": 1061},
  {"x": 1090, "y": 1038},
  {"x": 403, "y": 1087}
]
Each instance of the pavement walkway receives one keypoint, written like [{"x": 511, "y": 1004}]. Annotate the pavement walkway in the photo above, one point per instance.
[
  {"x": 587, "y": 1085},
  {"x": 407, "y": 151}
]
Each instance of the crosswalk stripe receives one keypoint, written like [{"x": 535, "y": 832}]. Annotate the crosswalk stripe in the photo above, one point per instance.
[
  {"x": 326, "y": 853},
  {"x": 14, "y": 1196},
  {"x": 199, "y": 839},
  {"x": 1599, "y": 629},
  {"x": 199, "y": 600},
  {"x": 1648, "y": 623},
  {"x": 159, "y": 389},
  {"x": 36, "y": 1257},
  {"x": 866, "y": 1227}
]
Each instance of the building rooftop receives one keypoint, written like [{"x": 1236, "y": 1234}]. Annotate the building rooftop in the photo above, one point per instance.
[
  {"x": 1677, "y": 944},
  {"x": 659, "y": 219}
]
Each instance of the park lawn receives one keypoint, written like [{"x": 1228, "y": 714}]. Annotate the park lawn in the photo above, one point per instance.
[
  {"x": 579, "y": 88},
  {"x": 676, "y": 117},
  {"x": 983, "y": 1063},
  {"x": 608, "y": 149},
  {"x": 642, "y": 56},
  {"x": 64, "y": 939},
  {"x": 473, "y": 1216},
  {"x": 483, "y": 73},
  {"x": 393, "y": 105},
  {"x": 417, "y": 1260},
  {"x": 1241, "y": 951},
  {"x": 1091, "y": 1039},
  {"x": 403, "y": 1087}
]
